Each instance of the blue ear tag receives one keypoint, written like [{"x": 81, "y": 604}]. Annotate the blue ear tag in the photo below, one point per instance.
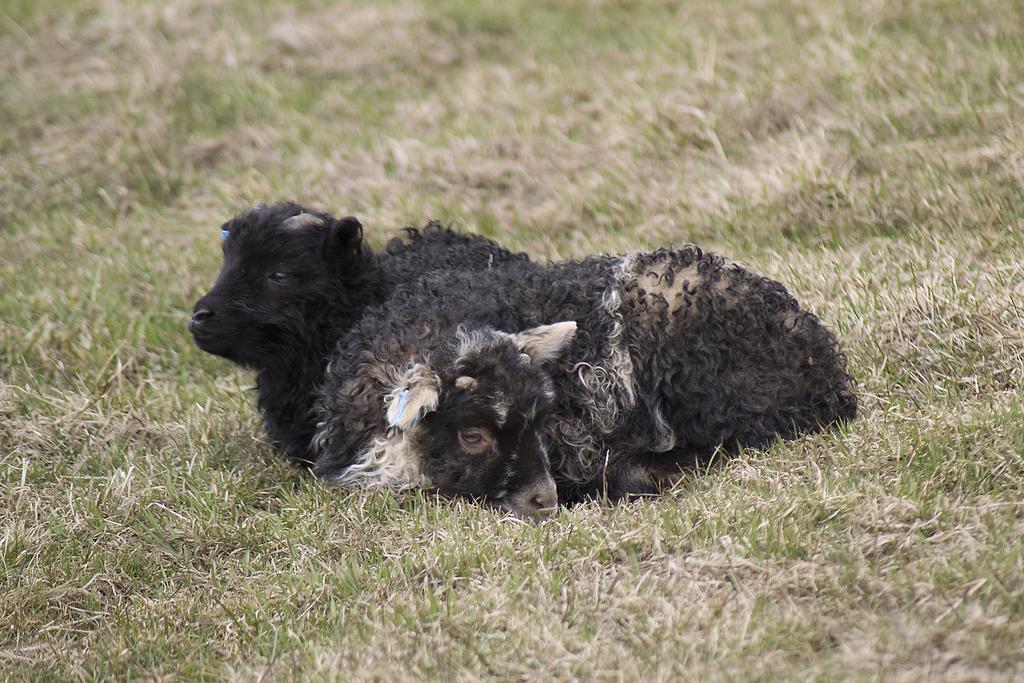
[
  {"x": 224, "y": 234},
  {"x": 401, "y": 408}
]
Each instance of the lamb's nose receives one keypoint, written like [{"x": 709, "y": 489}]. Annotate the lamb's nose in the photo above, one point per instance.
[
  {"x": 201, "y": 315},
  {"x": 546, "y": 497},
  {"x": 534, "y": 501}
]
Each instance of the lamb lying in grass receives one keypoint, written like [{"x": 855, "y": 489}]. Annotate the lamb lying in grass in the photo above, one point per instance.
[
  {"x": 293, "y": 281},
  {"x": 463, "y": 414},
  {"x": 675, "y": 354}
]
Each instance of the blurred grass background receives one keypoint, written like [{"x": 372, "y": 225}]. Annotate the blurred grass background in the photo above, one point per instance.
[{"x": 868, "y": 155}]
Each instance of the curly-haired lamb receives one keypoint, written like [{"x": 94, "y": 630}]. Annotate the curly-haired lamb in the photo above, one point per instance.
[
  {"x": 676, "y": 354},
  {"x": 463, "y": 414},
  {"x": 292, "y": 282}
]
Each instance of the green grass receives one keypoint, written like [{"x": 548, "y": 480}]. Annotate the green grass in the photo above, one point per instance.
[{"x": 868, "y": 155}]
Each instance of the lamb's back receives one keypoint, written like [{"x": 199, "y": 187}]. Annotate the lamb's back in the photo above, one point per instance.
[{"x": 436, "y": 248}]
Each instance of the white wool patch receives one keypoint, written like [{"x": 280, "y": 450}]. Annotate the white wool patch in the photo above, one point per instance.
[
  {"x": 665, "y": 436},
  {"x": 303, "y": 220},
  {"x": 659, "y": 282},
  {"x": 472, "y": 341},
  {"x": 390, "y": 461},
  {"x": 465, "y": 382},
  {"x": 610, "y": 384},
  {"x": 316, "y": 444},
  {"x": 417, "y": 394},
  {"x": 610, "y": 387}
]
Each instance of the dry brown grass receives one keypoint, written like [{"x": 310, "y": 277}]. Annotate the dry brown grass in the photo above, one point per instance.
[{"x": 868, "y": 155}]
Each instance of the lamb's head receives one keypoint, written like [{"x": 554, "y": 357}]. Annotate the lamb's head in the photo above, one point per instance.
[
  {"x": 284, "y": 268},
  {"x": 475, "y": 417}
]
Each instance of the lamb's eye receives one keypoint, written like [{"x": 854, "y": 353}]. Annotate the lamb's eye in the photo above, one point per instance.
[
  {"x": 281, "y": 278},
  {"x": 476, "y": 440}
]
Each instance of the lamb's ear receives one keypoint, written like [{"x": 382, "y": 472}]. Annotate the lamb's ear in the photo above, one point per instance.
[
  {"x": 344, "y": 243},
  {"x": 416, "y": 395},
  {"x": 545, "y": 343}
]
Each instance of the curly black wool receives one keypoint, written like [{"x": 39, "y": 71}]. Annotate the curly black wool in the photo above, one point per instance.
[{"x": 676, "y": 354}]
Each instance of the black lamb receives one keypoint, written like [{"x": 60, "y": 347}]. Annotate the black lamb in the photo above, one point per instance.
[
  {"x": 293, "y": 281},
  {"x": 677, "y": 354},
  {"x": 462, "y": 414}
]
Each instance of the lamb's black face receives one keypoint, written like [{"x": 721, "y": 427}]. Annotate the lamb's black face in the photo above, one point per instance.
[
  {"x": 282, "y": 266},
  {"x": 485, "y": 439}
]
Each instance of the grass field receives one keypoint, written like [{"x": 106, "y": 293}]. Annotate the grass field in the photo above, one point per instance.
[{"x": 868, "y": 154}]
